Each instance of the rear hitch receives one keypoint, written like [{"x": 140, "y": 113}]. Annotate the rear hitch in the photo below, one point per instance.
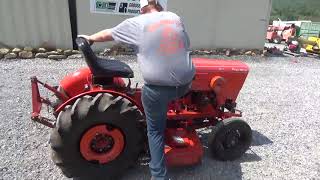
[
  {"x": 37, "y": 102},
  {"x": 42, "y": 120}
]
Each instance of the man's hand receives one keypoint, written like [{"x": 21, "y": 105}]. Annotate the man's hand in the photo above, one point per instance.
[
  {"x": 88, "y": 38},
  {"x": 101, "y": 36}
]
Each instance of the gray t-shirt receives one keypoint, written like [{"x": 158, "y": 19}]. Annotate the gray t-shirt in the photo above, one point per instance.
[{"x": 162, "y": 45}]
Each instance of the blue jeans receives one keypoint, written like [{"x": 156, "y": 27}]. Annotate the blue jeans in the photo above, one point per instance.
[{"x": 155, "y": 100}]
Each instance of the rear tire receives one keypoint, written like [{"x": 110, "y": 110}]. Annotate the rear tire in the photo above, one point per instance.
[
  {"x": 230, "y": 139},
  {"x": 84, "y": 115}
]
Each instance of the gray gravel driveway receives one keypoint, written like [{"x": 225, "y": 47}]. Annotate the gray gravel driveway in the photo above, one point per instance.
[{"x": 280, "y": 100}]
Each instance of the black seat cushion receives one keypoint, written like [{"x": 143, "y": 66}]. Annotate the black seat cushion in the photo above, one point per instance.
[
  {"x": 111, "y": 68},
  {"x": 103, "y": 67}
]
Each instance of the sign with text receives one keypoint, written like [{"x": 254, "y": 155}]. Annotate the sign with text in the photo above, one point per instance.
[{"x": 119, "y": 7}]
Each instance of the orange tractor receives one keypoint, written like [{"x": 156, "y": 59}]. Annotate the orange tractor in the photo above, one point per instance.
[
  {"x": 277, "y": 34},
  {"x": 99, "y": 129}
]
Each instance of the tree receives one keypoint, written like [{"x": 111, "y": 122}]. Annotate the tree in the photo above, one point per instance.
[{"x": 290, "y": 10}]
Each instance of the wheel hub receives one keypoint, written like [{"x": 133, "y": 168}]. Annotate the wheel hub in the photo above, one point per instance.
[
  {"x": 232, "y": 139},
  {"x": 102, "y": 144}
]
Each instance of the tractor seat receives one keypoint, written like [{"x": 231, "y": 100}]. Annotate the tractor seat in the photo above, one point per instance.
[
  {"x": 110, "y": 68},
  {"x": 103, "y": 67}
]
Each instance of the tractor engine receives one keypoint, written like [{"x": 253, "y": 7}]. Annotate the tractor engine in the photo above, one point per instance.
[
  {"x": 211, "y": 98},
  {"x": 221, "y": 80},
  {"x": 214, "y": 89}
]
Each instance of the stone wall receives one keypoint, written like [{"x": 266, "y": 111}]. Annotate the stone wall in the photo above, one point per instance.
[{"x": 119, "y": 49}]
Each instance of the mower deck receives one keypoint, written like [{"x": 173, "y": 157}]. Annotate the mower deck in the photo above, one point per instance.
[{"x": 183, "y": 148}]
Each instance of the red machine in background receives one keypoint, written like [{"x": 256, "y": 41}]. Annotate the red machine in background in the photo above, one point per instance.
[
  {"x": 100, "y": 129},
  {"x": 277, "y": 34}
]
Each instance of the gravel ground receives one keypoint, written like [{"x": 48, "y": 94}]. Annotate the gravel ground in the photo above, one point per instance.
[{"x": 280, "y": 101}]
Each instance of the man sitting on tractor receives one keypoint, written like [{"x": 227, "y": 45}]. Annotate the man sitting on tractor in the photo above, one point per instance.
[{"x": 162, "y": 44}]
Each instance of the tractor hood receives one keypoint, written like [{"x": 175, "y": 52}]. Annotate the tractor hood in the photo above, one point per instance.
[{"x": 209, "y": 65}]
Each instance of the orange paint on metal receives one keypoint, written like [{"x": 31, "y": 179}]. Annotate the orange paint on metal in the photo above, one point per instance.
[
  {"x": 74, "y": 83},
  {"x": 217, "y": 84},
  {"x": 90, "y": 155},
  {"x": 189, "y": 154},
  {"x": 233, "y": 72}
]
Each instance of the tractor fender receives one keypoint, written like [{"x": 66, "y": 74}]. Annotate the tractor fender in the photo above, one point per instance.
[{"x": 95, "y": 92}]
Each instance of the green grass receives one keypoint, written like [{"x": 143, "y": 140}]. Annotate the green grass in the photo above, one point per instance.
[{"x": 288, "y": 10}]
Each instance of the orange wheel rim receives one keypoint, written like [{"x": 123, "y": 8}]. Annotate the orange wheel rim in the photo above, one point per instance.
[{"x": 102, "y": 143}]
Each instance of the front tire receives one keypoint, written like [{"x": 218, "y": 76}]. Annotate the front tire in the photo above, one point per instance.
[
  {"x": 230, "y": 139},
  {"x": 97, "y": 137}
]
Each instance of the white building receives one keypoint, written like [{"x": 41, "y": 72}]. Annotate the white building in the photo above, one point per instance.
[{"x": 210, "y": 23}]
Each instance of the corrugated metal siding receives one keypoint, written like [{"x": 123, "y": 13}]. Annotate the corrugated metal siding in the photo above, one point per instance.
[
  {"x": 241, "y": 24},
  {"x": 89, "y": 23},
  {"x": 210, "y": 23},
  {"x": 35, "y": 23}
]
